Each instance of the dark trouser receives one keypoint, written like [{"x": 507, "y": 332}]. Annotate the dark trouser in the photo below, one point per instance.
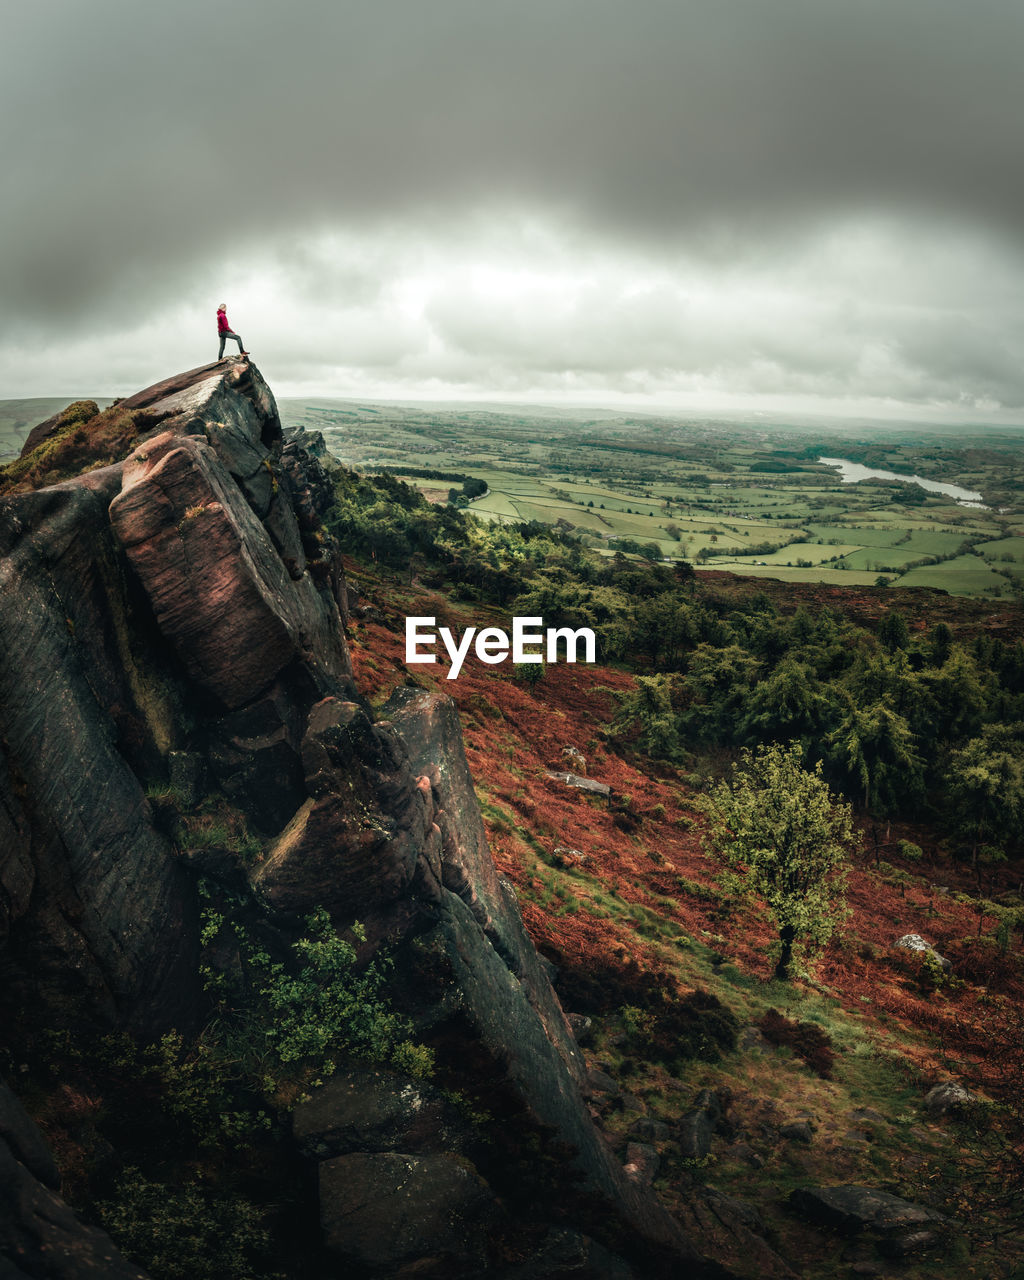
[{"x": 225, "y": 334}]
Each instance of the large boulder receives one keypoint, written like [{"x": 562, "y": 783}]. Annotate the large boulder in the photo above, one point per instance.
[
  {"x": 853, "y": 1208},
  {"x": 354, "y": 843},
  {"x": 221, "y": 594},
  {"x": 950, "y": 1096},
  {"x": 373, "y": 1110},
  {"x": 914, "y": 942},
  {"x": 380, "y": 1211}
]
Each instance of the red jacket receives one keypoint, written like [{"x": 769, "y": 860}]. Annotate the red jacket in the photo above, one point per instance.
[{"x": 222, "y": 322}]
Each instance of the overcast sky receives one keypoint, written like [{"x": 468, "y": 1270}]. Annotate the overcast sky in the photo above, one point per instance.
[{"x": 811, "y": 204}]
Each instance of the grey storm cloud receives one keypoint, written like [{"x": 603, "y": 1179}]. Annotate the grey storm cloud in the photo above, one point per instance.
[{"x": 144, "y": 144}]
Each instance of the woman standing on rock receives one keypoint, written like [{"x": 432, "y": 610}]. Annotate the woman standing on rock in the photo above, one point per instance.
[{"x": 225, "y": 331}]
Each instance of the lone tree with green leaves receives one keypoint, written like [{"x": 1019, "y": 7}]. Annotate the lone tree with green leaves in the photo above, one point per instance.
[{"x": 784, "y": 838}]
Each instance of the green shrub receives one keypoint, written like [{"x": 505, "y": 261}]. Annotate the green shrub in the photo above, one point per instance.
[
  {"x": 186, "y": 1232},
  {"x": 318, "y": 1006}
]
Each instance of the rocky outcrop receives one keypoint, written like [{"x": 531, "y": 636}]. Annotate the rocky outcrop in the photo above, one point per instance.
[
  {"x": 354, "y": 843},
  {"x": 177, "y": 616},
  {"x": 146, "y": 609},
  {"x": 95, "y": 912}
]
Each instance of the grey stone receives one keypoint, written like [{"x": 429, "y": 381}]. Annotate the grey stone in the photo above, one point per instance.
[
  {"x": 354, "y": 844},
  {"x": 569, "y": 1255},
  {"x": 41, "y": 1238},
  {"x": 283, "y": 528},
  {"x": 106, "y": 929},
  {"x": 866, "y": 1115},
  {"x": 485, "y": 1008},
  {"x": 711, "y": 1101},
  {"x": 186, "y": 772},
  {"x": 947, "y": 1097},
  {"x": 913, "y": 1242},
  {"x": 582, "y": 784},
  {"x": 582, "y": 1028},
  {"x": 255, "y": 756},
  {"x": 751, "y": 1040},
  {"x": 373, "y": 1110},
  {"x": 601, "y": 1082},
  {"x": 914, "y": 942},
  {"x": 695, "y": 1133},
  {"x": 647, "y": 1130},
  {"x": 731, "y": 1211},
  {"x": 383, "y": 1210},
  {"x": 430, "y": 729},
  {"x": 797, "y": 1131},
  {"x": 244, "y": 454},
  {"x": 25, "y": 1141},
  {"x": 854, "y": 1208},
  {"x": 642, "y": 1163},
  {"x": 745, "y": 1152}
]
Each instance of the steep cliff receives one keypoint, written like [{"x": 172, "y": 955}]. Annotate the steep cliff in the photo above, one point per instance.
[{"x": 172, "y": 625}]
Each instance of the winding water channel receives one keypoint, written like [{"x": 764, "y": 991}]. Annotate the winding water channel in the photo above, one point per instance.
[{"x": 851, "y": 472}]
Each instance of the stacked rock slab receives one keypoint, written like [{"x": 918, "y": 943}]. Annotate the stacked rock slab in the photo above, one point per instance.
[
  {"x": 137, "y": 599},
  {"x": 184, "y": 605}
]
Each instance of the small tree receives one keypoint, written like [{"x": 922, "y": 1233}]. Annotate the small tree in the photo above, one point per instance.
[{"x": 779, "y": 827}]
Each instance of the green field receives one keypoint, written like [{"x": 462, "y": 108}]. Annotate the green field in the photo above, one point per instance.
[
  {"x": 1009, "y": 550},
  {"x": 750, "y": 499}
]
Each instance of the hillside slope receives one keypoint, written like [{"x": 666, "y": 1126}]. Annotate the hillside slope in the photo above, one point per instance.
[{"x": 620, "y": 893}]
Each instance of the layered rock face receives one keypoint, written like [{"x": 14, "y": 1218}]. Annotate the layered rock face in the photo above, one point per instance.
[
  {"x": 146, "y": 608},
  {"x": 184, "y": 609}
]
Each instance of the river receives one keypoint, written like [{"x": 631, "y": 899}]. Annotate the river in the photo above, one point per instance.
[{"x": 851, "y": 472}]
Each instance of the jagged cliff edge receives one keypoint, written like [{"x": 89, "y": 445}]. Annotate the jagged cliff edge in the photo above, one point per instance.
[{"x": 182, "y": 611}]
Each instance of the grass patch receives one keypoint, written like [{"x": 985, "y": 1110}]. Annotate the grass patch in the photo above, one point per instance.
[{"x": 84, "y": 439}]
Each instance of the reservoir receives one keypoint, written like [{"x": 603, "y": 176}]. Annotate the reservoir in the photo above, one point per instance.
[{"x": 851, "y": 472}]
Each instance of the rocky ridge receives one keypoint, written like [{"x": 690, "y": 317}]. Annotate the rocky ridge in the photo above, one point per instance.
[{"x": 179, "y": 615}]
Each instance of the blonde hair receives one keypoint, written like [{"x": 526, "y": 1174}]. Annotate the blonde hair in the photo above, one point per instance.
[{"x": 223, "y": 307}]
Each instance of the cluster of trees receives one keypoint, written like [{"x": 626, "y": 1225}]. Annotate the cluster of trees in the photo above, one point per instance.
[
  {"x": 471, "y": 488},
  {"x": 919, "y": 726}
]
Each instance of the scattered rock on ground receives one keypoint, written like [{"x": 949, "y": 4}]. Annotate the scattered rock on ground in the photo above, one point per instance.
[
  {"x": 853, "y": 1208},
  {"x": 582, "y": 1028},
  {"x": 947, "y": 1097},
  {"x": 698, "y": 1125},
  {"x": 914, "y": 942},
  {"x": 798, "y": 1131},
  {"x": 642, "y": 1163},
  {"x": 372, "y": 1110},
  {"x": 647, "y": 1130}
]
